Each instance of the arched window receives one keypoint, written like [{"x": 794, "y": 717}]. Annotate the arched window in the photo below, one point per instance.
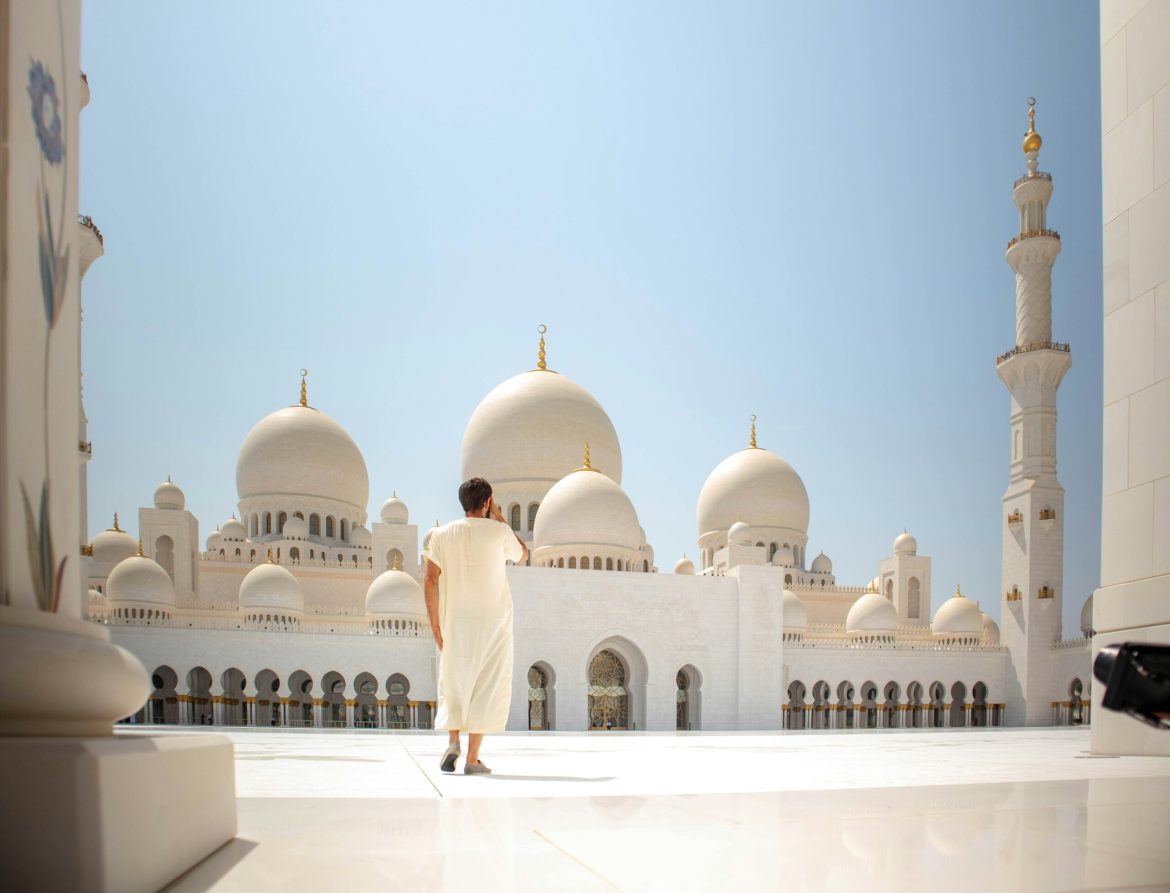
[
  {"x": 560, "y": 562},
  {"x": 314, "y": 525},
  {"x": 609, "y": 564},
  {"x": 573, "y": 562},
  {"x": 329, "y": 526},
  {"x": 344, "y": 530},
  {"x": 254, "y": 525},
  {"x": 237, "y": 553},
  {"x": 597, "y": 563},
  {"x": 514, "y": 516},
  {"x": 294, "y": 553},
  {"x": 645, "y": 566},
  {"x": 267, "y": 522},
  {"x": 914, "y": 598},
  {"x": 280, "y": 521},
  {"x": 532, "y": 516},
  {"x": 788, "y": 579},
  {"x": 772, "y": 550}
]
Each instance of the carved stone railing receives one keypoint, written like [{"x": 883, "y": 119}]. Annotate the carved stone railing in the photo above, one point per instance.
[
  {"x": 1027, "y": 348},
  {"x": 1051, "y": 233},
  {"x": 87, "y": 221}
]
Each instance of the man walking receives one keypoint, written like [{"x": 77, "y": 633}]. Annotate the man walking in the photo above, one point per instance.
[{"x": 473, "y": 624}]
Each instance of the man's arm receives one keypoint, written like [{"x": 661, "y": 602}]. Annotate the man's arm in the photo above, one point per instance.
[
  {"x": 431, "y": 589},
  {"x": 494, "y": 511}
]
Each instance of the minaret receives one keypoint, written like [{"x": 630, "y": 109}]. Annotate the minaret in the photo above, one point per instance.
[{"x": 1033, "y": 506}]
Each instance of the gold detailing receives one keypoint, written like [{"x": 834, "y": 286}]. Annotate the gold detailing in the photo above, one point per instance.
[
  {"x": 541, "y": 361},
  {"x": 86, "y": 551},
  {"x": 116, "y": 527},
  {"x": 1032, "y": 141},
  {"x": 1032, "y": 234},
  {"x": 1027, "y": 348},
  {"x": 958, "y": 591},
  {"x": 1014, "y": 595},
  {"x": 85, "y": 446},
  {"x": 588, "y": 466},
  {"x": 1015, "y": 517},
  {"x": 752, "y": 439},
  {"x": 87, "y": 221},
  {"x": 1046, "y": 592},
  {"x": 304, "y": 388},
  {"x": 140, "y": 553},
  {"x": 872, "y": 587},
  {"x": 397, "y": 563},
  {"x": 1047, "y": 514},
  {"x": 271, "y": 560}
]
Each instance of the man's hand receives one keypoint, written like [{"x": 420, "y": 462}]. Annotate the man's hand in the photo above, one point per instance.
[
  {"x": 494, "y": 511},
  {"x": 431, "y": 595},
  {"x": 438, "y": 634}
]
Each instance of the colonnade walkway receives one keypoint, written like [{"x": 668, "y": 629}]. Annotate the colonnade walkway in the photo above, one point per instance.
[{"x": 969, "y": 809}]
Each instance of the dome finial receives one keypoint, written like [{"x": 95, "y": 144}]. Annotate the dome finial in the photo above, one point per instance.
[
  {"x": 588, "y": 466},
  {"x": 397, "y": 563},
  {"x": 541, "y": 362},
  {"x": 271, "y": 560},
  {"x": 140, "y": 553},
  {"x": 304, "y": 388},
  {"x": 753, "y": 437},
  {"x": 872, "y": 587},
  {"x": 1032, "y": 141},
  {"x": 958, "y": 591},
  {"x": 116, "y": 527}
]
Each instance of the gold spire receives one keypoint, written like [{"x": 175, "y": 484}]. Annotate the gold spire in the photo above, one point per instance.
[
  {"x": 271, "y": 560},
  {"x": 588, "y": 466},
  {"x": 140, "y": 553},
  {"x": 116, "y": 527},
  {"x": 397, "y": 564},
  {"x": 872, "y": 587},
  {"x": 752, "y": 443},
  {"x": 1032, "y": 141},
  {"x": 541, "y": 362},
  {"x": 958, "y": 591},
  {"x": 304, "y": 388}
]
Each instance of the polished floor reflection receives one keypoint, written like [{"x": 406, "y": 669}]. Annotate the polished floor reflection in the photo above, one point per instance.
[{"x": 962, "y": 810}]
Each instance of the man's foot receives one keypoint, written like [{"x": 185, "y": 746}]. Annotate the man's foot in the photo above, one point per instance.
[
  {"x": 449, "y": 758},
  {"x": 476, "y": 769}
]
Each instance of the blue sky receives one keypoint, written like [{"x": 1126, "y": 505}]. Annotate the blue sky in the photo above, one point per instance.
[{"x": 794, "y": 210}]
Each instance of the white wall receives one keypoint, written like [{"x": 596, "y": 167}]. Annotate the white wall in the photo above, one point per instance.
[{"x": 1133, "y": 602}]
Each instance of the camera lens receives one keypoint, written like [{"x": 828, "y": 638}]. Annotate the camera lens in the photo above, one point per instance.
[{"x": 1103, "y": 665}]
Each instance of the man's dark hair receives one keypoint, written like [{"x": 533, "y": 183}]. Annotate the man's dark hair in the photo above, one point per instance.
[{"x": 474, "y": 493}]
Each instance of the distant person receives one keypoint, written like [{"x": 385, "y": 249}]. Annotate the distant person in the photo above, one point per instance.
[{"x": 473, "y": 624}]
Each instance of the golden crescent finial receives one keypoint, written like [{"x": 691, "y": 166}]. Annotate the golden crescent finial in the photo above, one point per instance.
[
  {"x": 958, "y": 590},
  {"x": 271, "y": 560},
  {"x": 753, "y": 437},
  {"x": 1032, "y": 141},
  {"x": 140, "y": 553},
  {"x": 304, "y": 388},
  {"x": 116, "y": 527},
  {"x": 541, "y": 362}
]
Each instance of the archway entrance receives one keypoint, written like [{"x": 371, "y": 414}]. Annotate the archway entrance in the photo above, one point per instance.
[
  {"x": 609, "y": 700},
  {"x": 397, "y": 702},
  {"x": 538, "y": 720},
  {"x": 688, "y": 691}
]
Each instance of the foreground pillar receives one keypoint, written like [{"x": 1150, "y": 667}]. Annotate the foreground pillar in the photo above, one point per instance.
[{"x": 82, "y": 809}]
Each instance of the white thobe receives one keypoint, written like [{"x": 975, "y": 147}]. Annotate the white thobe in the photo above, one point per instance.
[{"x": 475, "y": 619}]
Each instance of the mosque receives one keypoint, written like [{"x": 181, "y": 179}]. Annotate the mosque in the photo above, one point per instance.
[{"x": 299, "y": 610}]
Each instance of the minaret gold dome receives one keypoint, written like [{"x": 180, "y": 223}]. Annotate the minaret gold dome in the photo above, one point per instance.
[{"x": 1032, "y": 141}]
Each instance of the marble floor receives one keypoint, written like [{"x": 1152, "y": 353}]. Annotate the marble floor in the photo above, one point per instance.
[{"x": 985, "y": 810}]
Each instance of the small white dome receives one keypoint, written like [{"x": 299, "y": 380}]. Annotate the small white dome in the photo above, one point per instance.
[
  {"x": 427, "y": 536},
  {"x": 140, "y": 581},
  {"x": 233, "y": 531},
  {"x": 271, "y": 587},
  {"x": 739, "y": 534},
  {"x": 795, "y": 615},
  {"x": 587, "y": 508},
  {"x": 395, "y": 592},
  {"x": 214, "y": 540},
  {"x": 394, "y": 511},
  {"x": 295, "y": 529},
  {"x": 990, "y": 631},
  {"x": 872, "y": 613},
  {"x": 94, "y": 594},
  {"x": 112, "y": 546},
  {"x": 168, "y": 496},
  {"x": 756, "y": 486},
  {"x": 684, "y": 566},
  {"x": 1087, "y": 617},
  {"x": 783, "y": 557},
  {"x": 905, "y": 544},
  {"x": 822, "y": 564},
  {"x": 361, "y": 537},
  {"x": 958, "y": 616}
]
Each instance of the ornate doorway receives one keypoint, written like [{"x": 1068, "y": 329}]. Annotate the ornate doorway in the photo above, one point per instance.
[
  {"x": 609, "y": 701},
  {"x": 537, "y": 700}
]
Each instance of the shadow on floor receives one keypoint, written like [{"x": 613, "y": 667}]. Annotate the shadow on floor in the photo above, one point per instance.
[
  {"x": 498, "y": 777},
  {"x": 211, "y": 870}
]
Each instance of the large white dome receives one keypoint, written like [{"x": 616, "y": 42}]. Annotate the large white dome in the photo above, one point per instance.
[
  {"x": 755, "y": 486},
  {"x": 140, "y": 581},
  {"x": 300, "y": 451},
  {"x": 958, "y": 616},
  {"x": 587, "y": 508},
  {"x": 113, "y": 545},
  {"x": 271, "y": 587},
  {"x": 533, "y": 427},
  {"x": 395, "y": 592},
  {"x": 872, "y": 613}
]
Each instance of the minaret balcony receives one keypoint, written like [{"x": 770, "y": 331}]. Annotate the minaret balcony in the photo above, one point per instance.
[
  {"x": 1047, "y": 518},
  {"x": 1034, "y": 234},
  {"x": 1013, "y": 595},
  {"x": 1035, "y": 345},
  {"x": 1015, "y": 519},
  {"x": 1046, "y": 592},
  {"x": 92, "y": 242},
  {"x": 1039, "y": 175}
]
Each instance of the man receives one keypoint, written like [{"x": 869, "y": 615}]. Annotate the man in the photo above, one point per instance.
[{"x": 473, "y": 626}]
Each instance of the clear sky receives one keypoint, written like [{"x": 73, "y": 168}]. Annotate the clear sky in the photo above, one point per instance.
[{"x": 797, "y": 210}]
